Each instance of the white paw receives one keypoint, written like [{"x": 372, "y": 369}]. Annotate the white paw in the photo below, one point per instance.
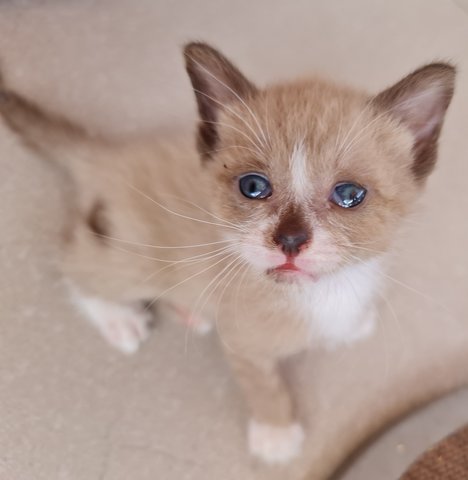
[
  {"x": 275, "y": 445},
  {"x": 124, "y": 327}
]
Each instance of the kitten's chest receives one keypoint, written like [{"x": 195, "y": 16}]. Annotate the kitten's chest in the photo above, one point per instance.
[{"x": 339, "y": 306}]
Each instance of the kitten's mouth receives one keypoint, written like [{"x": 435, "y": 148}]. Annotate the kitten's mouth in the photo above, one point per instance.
[
  {"x": 289, "y": 272},
  {"x": 286, "y": 267}
]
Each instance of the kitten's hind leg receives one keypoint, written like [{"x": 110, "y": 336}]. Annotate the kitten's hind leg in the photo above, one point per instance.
[{"x": 124, "y": 326}]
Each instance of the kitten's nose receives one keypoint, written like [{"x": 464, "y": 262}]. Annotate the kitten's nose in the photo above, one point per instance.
[{"x": 291, "y": 244}]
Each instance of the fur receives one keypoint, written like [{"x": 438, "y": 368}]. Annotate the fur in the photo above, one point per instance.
[
  {"x": 151, "y": 223},
  {"x": 299, "y": 173}
]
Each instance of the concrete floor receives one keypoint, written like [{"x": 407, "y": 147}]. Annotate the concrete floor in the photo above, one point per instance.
[{"x": 71, "y": 408}]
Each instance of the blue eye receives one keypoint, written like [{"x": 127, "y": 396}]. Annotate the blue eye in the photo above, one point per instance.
[
  {"x": 348, "y": 195},
  {"x": 255, "y": 186}
]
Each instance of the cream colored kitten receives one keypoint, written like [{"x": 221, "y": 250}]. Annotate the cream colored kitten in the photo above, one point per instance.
[{"x": 276, "y": 234}]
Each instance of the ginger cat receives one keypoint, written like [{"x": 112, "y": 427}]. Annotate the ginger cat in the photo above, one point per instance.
[{"x": 276, "y": 235}]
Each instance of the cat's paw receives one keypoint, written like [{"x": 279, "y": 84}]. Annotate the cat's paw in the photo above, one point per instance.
[
  {"x": 275, "y": 445},
  {"x": 124, "y": 327}
]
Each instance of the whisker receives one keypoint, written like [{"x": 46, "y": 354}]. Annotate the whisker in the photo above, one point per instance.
[
  {"x": 193, "y": 260},
  {"x": 228, "y": 125},
  {"x": 236, "y": 297},
  {"x": 234, "y": 113},
  {"x": 393, "y": 313},
  {"x": 148, "y": 245},
  {"x": 341, "y": 226},
  {"x": 244, "y": 266},
  {"x": 356, "y": 120},
  {"x": 358, "y": 247},
  {"x": 242, "y": 147},
  {"x": 230, "y": 90},
  {"x": 267, "y": 121},
  {"x": 382, "y": 114},
  {"x": 410, "y": 288},
  {"x": 194, "y": 310},
  {"x": 338, "y": 133},
  {"x": 202, "y": 209},
  {"x": 414, "y": 290},
  {"x": 167, "y": 290},
  {"x": 179, "y": 214},
  {"x": 219, "y": 274},
  {"x": 163, "y": 260},
  {"x": 359, "y": 135}
]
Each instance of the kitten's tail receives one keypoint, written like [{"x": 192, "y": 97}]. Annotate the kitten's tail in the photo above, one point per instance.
[{"x": 52, "y": 136}]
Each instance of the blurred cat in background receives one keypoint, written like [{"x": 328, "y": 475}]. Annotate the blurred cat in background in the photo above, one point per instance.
[{"x": 276, "y": 235}]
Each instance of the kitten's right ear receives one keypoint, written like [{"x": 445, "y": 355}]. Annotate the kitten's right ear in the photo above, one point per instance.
[{"x": 217, "y": 83}]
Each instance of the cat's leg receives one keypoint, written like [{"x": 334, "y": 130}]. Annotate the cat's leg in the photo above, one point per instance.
[
  {"x": 274, "y": 435},
  {"x": 124, "y": 326}
]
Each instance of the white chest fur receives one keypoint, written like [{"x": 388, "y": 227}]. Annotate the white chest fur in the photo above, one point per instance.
[{"x": 339, "y": 308}]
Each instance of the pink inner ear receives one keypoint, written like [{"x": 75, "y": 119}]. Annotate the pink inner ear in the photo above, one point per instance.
[{"x": 422, "y": 112}]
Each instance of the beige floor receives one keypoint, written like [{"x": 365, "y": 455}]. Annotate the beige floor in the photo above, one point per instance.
[{"x": 71, "y": 408}]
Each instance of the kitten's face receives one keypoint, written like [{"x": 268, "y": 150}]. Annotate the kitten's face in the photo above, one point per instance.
[
  {"x": 315, "y": 176},
  {"x": 308, "y": 197}
]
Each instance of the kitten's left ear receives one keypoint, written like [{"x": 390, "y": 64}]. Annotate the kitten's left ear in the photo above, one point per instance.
[
  {"x": 420, "y": 101},
  {"x": 217, "y": 83}
]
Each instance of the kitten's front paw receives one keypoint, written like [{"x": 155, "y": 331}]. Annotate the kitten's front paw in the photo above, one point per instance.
[
  {"x": 273, "y": 444},
  {"x": 124, "y": 327}
]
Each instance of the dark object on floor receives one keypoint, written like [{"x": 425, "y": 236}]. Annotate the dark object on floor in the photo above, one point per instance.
[{"x": 448, "y": 460}]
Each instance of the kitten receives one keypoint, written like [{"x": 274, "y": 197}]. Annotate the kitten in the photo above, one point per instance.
[{"x": 276, "y": 235}]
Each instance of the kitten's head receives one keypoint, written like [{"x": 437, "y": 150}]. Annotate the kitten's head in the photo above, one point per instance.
[{"x": 315, "y": 176}]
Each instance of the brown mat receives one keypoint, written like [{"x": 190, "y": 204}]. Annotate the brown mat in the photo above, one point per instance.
[
  {"x": 72, "y": 408},
  {"x": 448, "y": 460}
]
